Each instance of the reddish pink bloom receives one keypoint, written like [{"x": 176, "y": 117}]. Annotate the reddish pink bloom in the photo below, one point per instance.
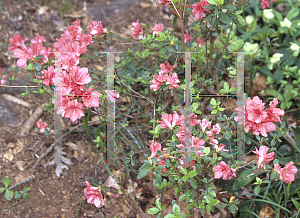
[
  {"x": 48, "y": 76},
  {"x": 158, "y": 28},
  {"x": 80, "y": 75},
  {"x": 187, "y": 38},
  {"x": 205, "y": 124},
  {"x": 112, "y": 95},
  {"x": 256, "y": 119},
  {"x": 182, "y": 131},
  {"x": 172, "y": 81},
  {"x": 136, "y": 29},
  {"x": 223, "y": 170},
  {"x": 200, "y": 42},
  {"x": 161, "y": 77},
  {"x": 171, "y": 120},
  {"x": 221, "y": 148},
  {"x": 93, "y": 194},
  {"x": 16, "y": 42},
  {"x": 75, "y": 30},
  {"x": 90, "y": 98},
  {"x": 155, "y": 85},
  {"x": 255, "y": 110},
  {"x": 263, "y": 156},
  {"x": 23, "y": 54},
  {"x": 192, "y": 120},
  {"x": 96, "y": 28},
  {"x": 265, "y": 4},
  {"x": 274, "y": 112},
  {"x": 287, "y": 172},
  {"x": 167, "y": 68},
  {"x": 3, "y": 80},
  {"x": 73, "y": 110},
  {"x": 154, "y": 147},
  {"x": 165, "y": 2},
  {"x": 198, "y": 9},
  {"x": 40, "y": 124},
  {"x": 38, "y": 38},
  {"x": 47, "y": 54}
]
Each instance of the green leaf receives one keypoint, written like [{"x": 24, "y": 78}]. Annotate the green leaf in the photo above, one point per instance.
[
  {"x": 9, "y": 194},
  {"x": 214, "y": 202},
  {"x": 188, "y": 159},
  {"x": 6, "y": 182},
  {"x": 153, "y": 210},
  {"x": 233, "y": 208},
  {"x": 229, "y": 7},
  {"x": 2, "y": 189},
  {"x": 157, "y": 180},
  {"x": 192, "y": 173},
  {"x": 37, "y": 66},
  {"x": 257, "y": 190},
  {"x": 18, "y": 195},
  {"x": 193, "y": 183},
  {"x": 158, "y": 203},
  {"x": 208, "y": 207},
  {"x": 292, "y": 14},
  {"x": 26, "y": 189},
  {"x": 206, "y": 150},
  {"x": 144, "y": 170},
  {"x": 176, "y": 209},
  {"x": 212, "y": 2},
  {"x": 213, "y": 101},
  {"x": 243, "y": 179},
  {"x": 296, "y": 203},
  {"x": 29, "y": 67},
  {"x": 182, "y": 197},
  {"x": 170, "y": 216},
  {"x": 183, "y": 170},
  {"x": 221, "y": 119},
  {"x": 26, "y": 195},
  {"x": 209, "y": 7},
  {"x": 223, "y": 18},
  {"x": 226, "y": 86},
  {"x": 185, "y": 178}
]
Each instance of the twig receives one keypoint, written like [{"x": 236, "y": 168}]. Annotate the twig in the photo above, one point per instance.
[
  {"x": 16, "y": 100},
  {"x": 31, "y": 120},
  {"x": 20, "y": 183}
]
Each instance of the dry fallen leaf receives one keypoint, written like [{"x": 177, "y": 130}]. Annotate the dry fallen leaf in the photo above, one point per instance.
[{"x": 266, "y": 212}]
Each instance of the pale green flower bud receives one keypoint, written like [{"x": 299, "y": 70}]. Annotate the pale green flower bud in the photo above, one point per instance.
[
  {"x": 286, "y": 23},
  {"x": 250, "y": 20},
  {"x": 276, "y": 57},
  {"x": 296, "y": 48},
  {"x": 251, "y": 48}
]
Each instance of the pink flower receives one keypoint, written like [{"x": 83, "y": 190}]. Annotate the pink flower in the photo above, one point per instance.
[
  {"x": 155, "y": 85},
  {"x": 40, "y": 124},
  {"x": 93, "y": 194},
  {"x": 169, "y": 120},
  {"x": 223, "y": 170},
  {"x": 3, "y": 80},
  {"x": 256, "y": 119},
  {"x": 16, "y": 42},
  {"x": 273, "y": 112},
  {"x": 23, "y": 54},
  {"x": 198, "y": 9},
  {"x": 182, "y": 131},
  {"x": 192, "y": 120},
  {"x": 187, "y": 38},
  {"x": 112, "y": 95},
  {"x": 154, "y": 147},
  {"x": 205, "y": 124},
  {"x": 158, "y": 28},
  {"x": 80, "y": 75},
  {"x": 172, "y": 81},
  {"x": 158, "y": 80},
  {"x": 136, "y": 29},
  {"x": 167, "y": 68},
  {"x": 96, "y": 28},
  {"x": 38, "y": 38},
  {"x": 73, "y": 110},
  {"x": 90, "y": 98},
  {"x": 287, "y": 172},
  {"x": 200, "y": 42},
  {"x": 263, "y": 156},
  {"x": 265, "y": 4},
  {"x": 48, "y": 76}
]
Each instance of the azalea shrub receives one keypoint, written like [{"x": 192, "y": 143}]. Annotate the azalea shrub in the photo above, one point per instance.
[{"x": 198, "y": 151}]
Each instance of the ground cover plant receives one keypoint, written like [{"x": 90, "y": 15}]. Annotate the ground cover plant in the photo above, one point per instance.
[{"x": 192, "y": 148}]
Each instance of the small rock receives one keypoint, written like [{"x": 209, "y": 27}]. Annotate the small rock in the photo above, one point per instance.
[
  {"x": 20, "y": 165},
  {"x": 63, "y": 192}
]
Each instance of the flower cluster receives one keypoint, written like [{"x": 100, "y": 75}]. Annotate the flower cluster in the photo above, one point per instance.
[
  {"x": 264, "y": 3},
  {"x": 198, "y": 9},
  {"x": 173, "y": 120},
  {"x": 72, "y": 43},
  {"x": 163, "y": 77},
  {"x": 93, "y": 194},
  {"x": 256, "y": 118}
]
